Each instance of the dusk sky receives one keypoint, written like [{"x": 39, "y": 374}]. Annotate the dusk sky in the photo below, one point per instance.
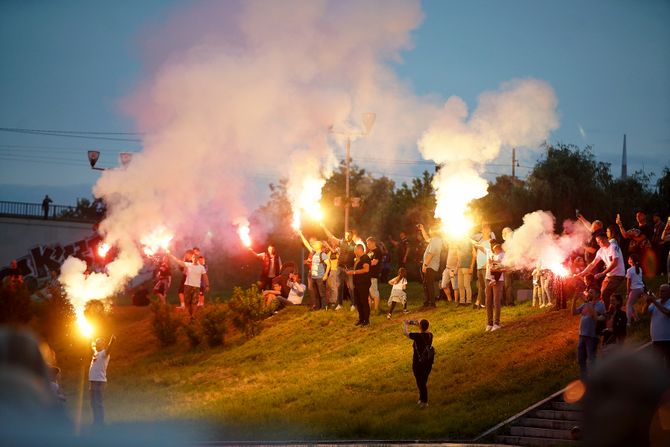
[{"x": 67, "y": 65}]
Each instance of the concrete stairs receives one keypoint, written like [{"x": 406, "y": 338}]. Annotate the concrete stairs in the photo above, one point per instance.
[{"x": 549, "y": 424}]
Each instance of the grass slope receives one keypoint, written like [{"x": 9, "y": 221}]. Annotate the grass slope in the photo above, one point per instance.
[{"x": 313, "y": 375}]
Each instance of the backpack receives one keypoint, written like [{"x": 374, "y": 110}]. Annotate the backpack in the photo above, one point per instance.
[{"x": 427, "y": 356}]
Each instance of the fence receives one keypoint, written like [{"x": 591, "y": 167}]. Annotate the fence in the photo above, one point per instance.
[{"x": 33, "y": 210}]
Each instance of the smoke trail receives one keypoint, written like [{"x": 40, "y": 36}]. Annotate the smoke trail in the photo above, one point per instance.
[
  {"x": 536, "y": 243},
  {"x": 521, "y": 113}
]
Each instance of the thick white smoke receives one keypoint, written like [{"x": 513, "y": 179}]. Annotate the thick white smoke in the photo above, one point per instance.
[
  {"x": 522, "y": 113},
  {"x": 238, "y": 94},
  {"x": 535, "y": 242}
]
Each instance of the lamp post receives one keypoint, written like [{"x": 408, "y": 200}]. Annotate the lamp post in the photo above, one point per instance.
[
  {"x": 368, "y": 120},
  {"x": 94, "y": 156}
]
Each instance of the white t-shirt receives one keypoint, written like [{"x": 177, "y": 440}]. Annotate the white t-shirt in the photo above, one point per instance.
[
  {"x": 194, "y": 274},
  {"x": 98, "y": 370},
  {"x": 635, "y": 279},
  {"x": 608, "y": 255},
  {"x": 497, "y": 259},
  {"x": 296, "y": 293},
  {"x": 435, "y": 248},
  {"x": 400, "y": 285}
]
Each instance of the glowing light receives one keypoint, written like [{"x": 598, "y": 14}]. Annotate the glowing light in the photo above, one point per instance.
[
  {"x": 574, "y": 392},
  {"x": 295, "y": 223},
  {"x": 455, "y": 187},
  {"x": 243, "y": 232},
  {"x": 157, "y": 240},
  {"x": 103, "y": 249},
  {"x": 306, "y": 199},
  {"x": 558, "y": 269},
  {"x": 84, "y": 326}
]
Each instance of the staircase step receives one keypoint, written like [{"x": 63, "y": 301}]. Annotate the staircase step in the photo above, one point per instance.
[
  {"x": 540, "y": 432},
  {"x": 558, "y": 415},
  {"x": 531, "y": 441},
  {"x": 545, "y": 423},
  {"x": 564, "y": 406}
]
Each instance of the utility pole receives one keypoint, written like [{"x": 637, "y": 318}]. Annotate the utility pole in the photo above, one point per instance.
[
  {"x": 513, "y": 162},
  {"x": 346, "y": 193}
]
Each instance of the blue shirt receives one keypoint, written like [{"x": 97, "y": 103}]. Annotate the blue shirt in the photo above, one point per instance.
[{"x": 587, "y": 325}]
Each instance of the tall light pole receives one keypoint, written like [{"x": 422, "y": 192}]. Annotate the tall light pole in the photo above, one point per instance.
[{"x": 368, "y": 120}]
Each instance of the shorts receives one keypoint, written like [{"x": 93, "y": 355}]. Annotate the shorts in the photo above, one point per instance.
[
  {"x": 181, "y": 286},
  {"x": 374, "y": 290},
  {"x": 162, "y": 285},
  {"x": 449, "y": 275}
]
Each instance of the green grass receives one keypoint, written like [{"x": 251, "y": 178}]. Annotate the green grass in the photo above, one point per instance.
[{"x": 313, "y": 375}]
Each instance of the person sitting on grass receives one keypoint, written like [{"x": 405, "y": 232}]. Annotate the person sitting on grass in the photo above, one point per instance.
[
  {"x": 398, "y": 294},
  {"x": 295, "y": 295},
  {"x": 422, "y": 357}
]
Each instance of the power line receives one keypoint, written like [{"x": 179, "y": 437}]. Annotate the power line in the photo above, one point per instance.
[
  {"x": 84, "y": 132},
  {"x": 68, "y": 134}
]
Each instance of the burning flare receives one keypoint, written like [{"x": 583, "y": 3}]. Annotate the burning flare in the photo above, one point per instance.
[
  {"x": 454, "y": 189},
  {"x": 305, "y": 199},
  {"x": 84, "y": 326},
  {"x": 243, "y": 231},
  {"x": 157, "y": 240},
  {"x": 103, "y": 249}
]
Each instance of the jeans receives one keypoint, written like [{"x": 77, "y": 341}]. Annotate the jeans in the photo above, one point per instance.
[
  {"x": 191, "y": 298},
  {"x": 96, "y": 392},
  {"x": 318, "y": 289},
  {"x": 344, "y": 281},
  {"x": 465, "y": 285},
  {"x": 494, "y": 290},
  {"x": 421, "y": 373},
  {"x": 630, "y": 304},
  {"x": 429, "y": 287},
  {"x": 586, "y": 353}
]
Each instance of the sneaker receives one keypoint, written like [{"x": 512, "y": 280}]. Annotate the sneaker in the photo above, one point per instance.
[
  {"x": 405, "y": 311},
  {"x": 489, "y": 328},
  {"x": 366, "y": 324},
  {"x": 542, "y": 306},
  {"x": 495, "y": 327},
  {"x": 358, "y": 323},
  {"x": 339, "y": 307},
  {"x": 388, "y": 316},
  {"x": 352, "y": 308}
]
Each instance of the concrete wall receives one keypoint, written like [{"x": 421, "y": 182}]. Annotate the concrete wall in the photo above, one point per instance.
[{"x": 42, "y": 245}]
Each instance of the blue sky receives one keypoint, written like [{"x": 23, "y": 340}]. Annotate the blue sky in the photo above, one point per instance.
[{"x": 65, "y": 65}]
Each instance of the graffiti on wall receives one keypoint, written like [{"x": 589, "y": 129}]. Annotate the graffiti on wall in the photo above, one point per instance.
[{"x": 41, "y": 259}]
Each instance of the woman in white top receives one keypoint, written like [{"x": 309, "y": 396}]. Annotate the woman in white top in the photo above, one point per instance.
[
  {"x": 634, "y": 287},
  {"x": 398, "y": 294}
]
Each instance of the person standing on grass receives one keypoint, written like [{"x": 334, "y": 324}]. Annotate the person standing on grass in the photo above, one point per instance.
[
  {"x": 195, "y": 275},
  {"x": 466, "y": 266},
  {"x": 345, "y": 260},
  {"x": 422, "y": 357},
  {"x": 615, "y": 269},
  {"x": 634, "y": 287},
  {"x": 482, "y": 245},
  {"x": 398, "y": 294},
  {"x": 271, "y": 266},
  {"x": 495, "y": 278},
  {"x": 361, "y": 280},
  {"x": 375, "y": 254},
  {"x": 660, "y": 323},
  {"x": 97, "y": 376},
  {"x": 588, "y": 338},
  {"x": 318, "y": 272},
  {"x": 431, "y": 263}
]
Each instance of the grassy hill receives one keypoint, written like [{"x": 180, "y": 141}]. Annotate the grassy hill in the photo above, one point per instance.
[{"x": 313, "y": 375}]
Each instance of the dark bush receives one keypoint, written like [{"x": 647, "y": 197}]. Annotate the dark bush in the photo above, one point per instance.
[
  {"x": 164, "y": 323},
  {"x": 213, "y": 323},
  {"x": 193, "y": 333},
  {"x": 55, "y": 315},
  {"x": 15, "y": 304},
  {"x": 248, "y": 310}
]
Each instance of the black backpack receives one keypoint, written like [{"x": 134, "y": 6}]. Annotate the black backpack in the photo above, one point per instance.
[{"x": 427, "y": 356}]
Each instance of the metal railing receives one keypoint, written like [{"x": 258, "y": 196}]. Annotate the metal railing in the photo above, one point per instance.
[{"x": 35, "y": 210}]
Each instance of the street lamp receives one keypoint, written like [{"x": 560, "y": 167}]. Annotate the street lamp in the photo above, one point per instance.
[
  {"x": 368, "y": 120},
  {"x": 94, "y": 156}
]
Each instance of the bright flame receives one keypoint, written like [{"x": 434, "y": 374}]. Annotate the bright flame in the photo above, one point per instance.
[
  {"x": 103, "y": 249},
  {"x": 243, "y": 232},
  {"x": 558, "y": 269},
  {"x": 157, "y": 240},
  {"x": 84, "y": 326},
  {"x": 455, "y": 187},
  {"x": 306, "y": 200}
]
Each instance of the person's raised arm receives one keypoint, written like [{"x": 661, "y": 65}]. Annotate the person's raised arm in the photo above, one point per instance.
[
  {"x": 328, "y": 232},
  {"x": 305, "y": 242},
  {"x": 622, "y": 230},
  {"x": 394, "y": 281},
  {"x": 110, "y": 343},
  {"x": 584, "y": 221},
  {"x": 424, "y": 233},
  {"x": 178, "y": 261},
  {"x": 573, "y": 307},
  {"x": 405, "y": 328}
]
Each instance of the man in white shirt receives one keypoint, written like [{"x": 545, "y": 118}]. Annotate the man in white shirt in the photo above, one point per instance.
[
  {"x": 97, "y": 376},
  {"x": 196, "y": 274},
  {"x": 615, "y": 268}
]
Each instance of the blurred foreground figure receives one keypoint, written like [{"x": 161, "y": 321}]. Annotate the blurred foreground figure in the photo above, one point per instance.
[
  {"x": 627, "y": 402},
  {"x": 30, "y": 412}
]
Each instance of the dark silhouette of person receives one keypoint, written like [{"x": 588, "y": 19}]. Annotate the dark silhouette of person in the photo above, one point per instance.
[{"x": 45, "y": 206}]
